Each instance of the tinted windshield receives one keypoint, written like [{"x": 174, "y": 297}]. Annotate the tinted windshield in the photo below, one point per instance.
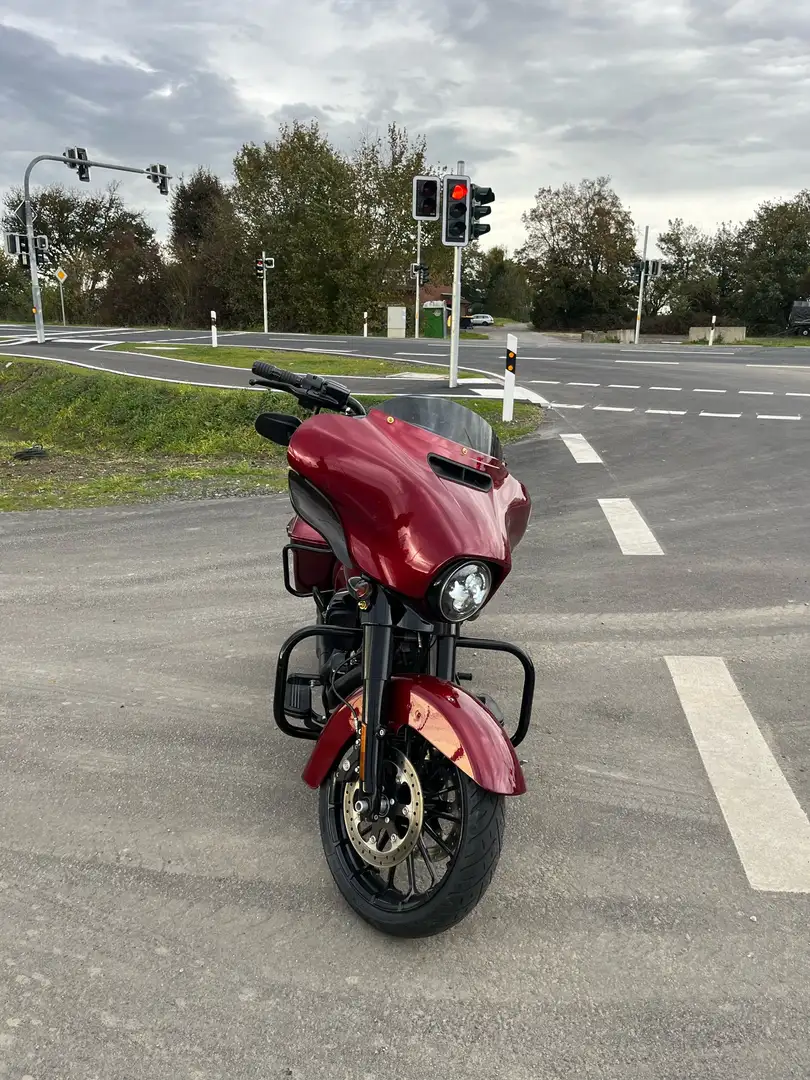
[{"x": 447, "y": 418}]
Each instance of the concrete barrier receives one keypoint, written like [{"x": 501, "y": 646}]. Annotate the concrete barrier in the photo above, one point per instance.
[
  {"x": 724, "y": 334},
  {"x": 623, "y": 337}
]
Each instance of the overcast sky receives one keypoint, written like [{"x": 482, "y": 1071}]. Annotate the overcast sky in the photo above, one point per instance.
[{"x": 695, "y": 108}]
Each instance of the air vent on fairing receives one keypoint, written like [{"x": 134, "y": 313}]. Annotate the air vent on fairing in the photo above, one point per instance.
[{"x": 451, "y": 470}]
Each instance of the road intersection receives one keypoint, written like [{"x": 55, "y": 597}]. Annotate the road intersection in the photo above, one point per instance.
[{"x": 649, "y": 919}]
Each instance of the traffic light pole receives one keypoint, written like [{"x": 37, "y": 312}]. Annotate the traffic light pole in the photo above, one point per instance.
[
  {"x": 264, "y": 290},
  {"x": 641, "y": 285},
  {"x": 418, "y": 272},
  {"x": 455, "y": 313},
  {"x": 36, "y": 296}
]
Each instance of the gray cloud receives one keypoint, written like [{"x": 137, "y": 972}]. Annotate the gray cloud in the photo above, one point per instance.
[{"x": 694, "y": 107}]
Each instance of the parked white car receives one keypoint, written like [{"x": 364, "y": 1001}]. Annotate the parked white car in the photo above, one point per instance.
[{"x": 482, "y": 320}]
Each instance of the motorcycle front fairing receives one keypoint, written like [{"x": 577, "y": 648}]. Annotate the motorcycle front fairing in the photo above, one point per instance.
[{"x": 406, "y": 500}]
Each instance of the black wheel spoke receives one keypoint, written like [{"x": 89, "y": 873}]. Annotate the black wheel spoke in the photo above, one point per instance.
[
  {"x": 410, "y": 863},
  {"x": 423, "y": 851},
  {"x": 389, "y": 883},
  {"x": 433, "y": 796},
  {"x": 437, "y": 839},
  {"x": 446, "y": 817}
]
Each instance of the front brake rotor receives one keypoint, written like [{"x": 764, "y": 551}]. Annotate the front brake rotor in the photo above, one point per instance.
[{"x": 390, "y": 839}]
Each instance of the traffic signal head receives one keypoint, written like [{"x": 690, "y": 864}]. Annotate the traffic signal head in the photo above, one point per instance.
[
  {"x": 76, "y": 156},
  {"x": 260, "y": 268},
  {"x": 425, "y": 198},
  {"x": 12, "y": 247},
  {"x": 424, "y": 276},
  {"x": 159, "y": 175},
  {"x": 456, "y": 211},
  {"x": 481, "y": 197}
]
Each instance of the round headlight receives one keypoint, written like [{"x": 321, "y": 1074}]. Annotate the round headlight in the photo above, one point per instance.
[{"x": 464, "y": 591}]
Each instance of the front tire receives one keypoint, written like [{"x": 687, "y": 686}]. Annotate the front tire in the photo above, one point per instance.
[{"x": 405, "y": 881}]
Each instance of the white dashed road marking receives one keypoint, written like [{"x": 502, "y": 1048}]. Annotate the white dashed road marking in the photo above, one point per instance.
[
  {"x": 613, "y": 408},
  {"x": 769, "y": 416},
  {"x": 666, "y": 388},
  {"x": 562, "y": 405},
  {"x": 661, "y": 363},
  {"x": 768, "y": 826},
  {"x": 667, "y": 412},
  {"x": 795, "y": 393},
  {"x": 730, "y": 415},
  {"x": 760, "y": 393},
  {"x": 706, "y": 390},
  {"x": 623, "y": 386},
  {"x": 581, "y": 450},
  {"x": 583, "y": 384},
  {"x": 632, "y": 532}
]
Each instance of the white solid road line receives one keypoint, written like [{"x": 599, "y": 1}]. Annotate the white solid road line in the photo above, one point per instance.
[
  {"x": 613, "y": 408},
  {"x": 666, "y": 412},
  {"x": 769, "y": 416},
  {"x": 768, "y": 826},
  {"x": 731, "y": 415},
  {"x": 581, "y": 450},
  {"x": 632, "y": 532}
]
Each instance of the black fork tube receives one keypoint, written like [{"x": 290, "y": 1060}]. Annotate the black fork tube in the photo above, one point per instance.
[
  {"x": 443, "y": 652},
  {"x": 377, "y": 665}
]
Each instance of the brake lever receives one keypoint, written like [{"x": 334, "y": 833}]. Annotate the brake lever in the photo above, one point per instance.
[{"x": 263, "y": 382}]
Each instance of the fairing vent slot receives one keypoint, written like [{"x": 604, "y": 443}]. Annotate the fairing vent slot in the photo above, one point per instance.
[{"x": 459, "y": 474}]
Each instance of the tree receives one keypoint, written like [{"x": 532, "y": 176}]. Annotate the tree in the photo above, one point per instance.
[
  {"x": 84, "y": 230},
  {"x": 578, "y": 254},
  {"x": 211, "y": 263}
]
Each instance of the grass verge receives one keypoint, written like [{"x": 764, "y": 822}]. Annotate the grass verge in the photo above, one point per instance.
[
  {"x": 114, "y": 440},
  {"x": 312, "y": 363},
  {"x": 778, "y": 343},
  {"x": 472, "y": 335}
]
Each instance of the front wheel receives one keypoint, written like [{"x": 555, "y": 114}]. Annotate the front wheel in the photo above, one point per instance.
[{"x": 425, "y": 866}]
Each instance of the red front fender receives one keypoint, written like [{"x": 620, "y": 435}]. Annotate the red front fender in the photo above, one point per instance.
[{"x": 452, "y": 720}]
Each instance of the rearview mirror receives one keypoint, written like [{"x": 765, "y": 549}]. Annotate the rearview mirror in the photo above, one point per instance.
[{"x": 279, "y": 428}]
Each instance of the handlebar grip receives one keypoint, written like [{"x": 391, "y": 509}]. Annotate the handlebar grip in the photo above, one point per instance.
[{"x": 274, "y": 374}]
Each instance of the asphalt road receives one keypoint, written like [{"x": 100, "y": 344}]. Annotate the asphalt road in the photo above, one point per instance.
[{"x": 166, "y": 908}]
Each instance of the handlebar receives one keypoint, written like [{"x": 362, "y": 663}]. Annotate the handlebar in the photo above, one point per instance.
[
  {"x": 312, "y": 391},
  {"x": 275, "y": 374}
]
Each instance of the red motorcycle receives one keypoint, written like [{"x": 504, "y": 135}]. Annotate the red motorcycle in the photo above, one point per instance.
[{"x": 405, "y": 521}]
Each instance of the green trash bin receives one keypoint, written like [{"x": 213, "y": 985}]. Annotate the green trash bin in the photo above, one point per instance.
[{"x": 434, "y": 320}]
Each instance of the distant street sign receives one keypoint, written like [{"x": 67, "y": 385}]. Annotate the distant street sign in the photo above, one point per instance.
[
  {"x": 19, "y": 213},
  {"x": 61, "y": 276}
]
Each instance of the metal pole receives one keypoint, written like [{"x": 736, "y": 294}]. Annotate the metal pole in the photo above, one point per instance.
[
  {"x": 418, "y": 264},
  {"x": 62, "y": 300},
  {"x": 264, "y": 289},
  {"x": 36, "y": 296},
  {"x": 455, "y": 314},
  {"x": 641, "y": 285},
  {"x": 510, "y": 366}
]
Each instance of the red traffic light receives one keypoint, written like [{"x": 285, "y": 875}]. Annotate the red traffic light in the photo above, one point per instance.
[{"x": 459, "y": 192}]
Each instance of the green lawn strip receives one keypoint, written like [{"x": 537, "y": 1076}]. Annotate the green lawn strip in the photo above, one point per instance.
[
  {"x": 312, "y": 363},
  {"x": 778, "y": 343},
  {"x": 471, "y": 335},
  {"x": 111, "y": 439}
]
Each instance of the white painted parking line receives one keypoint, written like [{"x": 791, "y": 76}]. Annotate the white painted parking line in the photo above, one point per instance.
[
  {"x": 623, "y": 386},
  {"x": 613, "y": 408},
  {"x": 769, "y": 416},
  {"x": 562, "y": 405},
  {"x": 761, "y": 393},
  {"x": 706, "y": 390},
  {"x": 660, "y": 363},
  {"x": 581, "y": 450},
  {"x": 583, "y": 384},
  {"x": 770, "y": 830},
  {"x": 666, "y": 412},
  {"x": 730, "y": 415},
  {"x": 666, "y": 388},
  {"x": 632, "y": 532}
]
